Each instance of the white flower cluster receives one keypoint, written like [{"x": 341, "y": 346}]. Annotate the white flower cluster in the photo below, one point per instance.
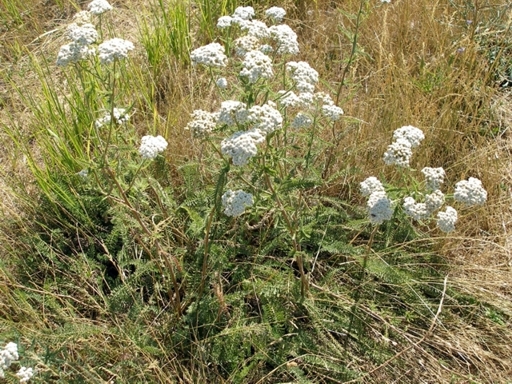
[
  {"x": 257, "y": 65},
  {"x": 434, "y": 177},
  {"x": 97, "y": 7},
  {"x": 243, "y": 13},
  {"x": 25, "y": 374},
  {"x": 302, "y": 120},
  {"x": 276, "y": 14},
  {"x": 246, "y": 44},
  {"x": 151, "y": 146},
  {"x": 222, "y": 83},
  {"x": 285, "y": 38},
  {"x": 434, "y": 200},
  {"x": 332, "y": 112},
  {"x": 202, "y": 123},
  {"x": 73, "y": 53},
  {"x": 232, "y": 112},
  {"x": 400, "y": 151},
  {"x": 470, "y": 192},
  {"x": 380, "y": 207},
  {"x": 7, "y": 356},
  {"x": 418, "y": 211},
  {"x": 120, "y": 116},
  {"x": 241, "y": 146},
  {"x": 446, "y": 220},
  {"x": 412, "y": 134},
  {"x": 371, "y": 185},
  {"x": 265, "y": 118},
  {"x": 85, "y": 34},
  {"x": 235, "y": 202},
  {"x": 114, "y": 49},
  {"x": 211, "y": 55},
  {"x": 303, "y": 75}
]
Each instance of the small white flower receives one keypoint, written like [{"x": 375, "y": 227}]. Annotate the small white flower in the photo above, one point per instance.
[
  {"x": 332, "y": 112},
  {"x": 82, "y": 17},
  {"x": 379, "y": 207},
  {"x": 434, "y": 177},
  {"x": 256, "y": 65},
  {"x": 412, "y": 134},
  {"x": 418, "y": 211},
  {"x": 246, "y": 44},
  {"x": 370, "y": 185},
  {"x": 285, "y": 38},
  {"x": 385, "y": 1},
  {"x": 8, "y": 355},
  {"x": 232, "y": 112},
  {"x": 276, "y": 14},
  {"x": 235, "y": 202},
  {"x": 211, "y": 55},
  {"x": 256, "y": 28},
  {"x": 73, "y": 53},
  {"x": 302, "y": 120},
  {"x": 446, "y": 220},
  {"x": 97, "y": 7},
  {"x": 151, "y": 146},
  {"x": 224, "y": 22},
  {"x": 303, "y": 75},
  {"x": 306, "y": 99},
  {"x": 470, "y": 192},
  {"x": 323, "y": 98},
  {"x": 398, "y": 153},
  {"x": 25, "y": 374},
  {"x": 113, "y": 49},
  {"x": 222, "y": 83},
  {"x": 288, "y": 99},
  {"x": 244, "y": 13},
  {"x": 265, "y": 118},
  {"x": 241, "y": 146},
  {"x": 120, "y": 116},
  {"x": 434, "y": 201},
  {"x": 85, "y": 34},
  {"x": 203, "y": 123}
]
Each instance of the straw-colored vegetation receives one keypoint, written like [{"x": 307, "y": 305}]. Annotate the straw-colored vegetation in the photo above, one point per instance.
[{"x": 131, "y": 272}]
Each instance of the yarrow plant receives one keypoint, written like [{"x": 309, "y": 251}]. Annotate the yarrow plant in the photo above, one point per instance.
[
  {"x": 9, "y": 355},
  {"x": 252, "y": 131},
  {"x": 470, "y": 192},
  {"x": 152, "y": 146}
]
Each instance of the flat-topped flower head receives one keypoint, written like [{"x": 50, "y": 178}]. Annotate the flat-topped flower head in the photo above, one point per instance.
[
  {"x": 224, "y": 22},
  {"x": 265, "y": 118},
  {"x": 470, "y": 192},
  {"x": 222, "y": 83},
  {"x": 302, "y": 75},
  {"x": 285, "y": 39},
  {"x": 151, "y": 146},
  {"x": 434, "y": 200},
  {"x": 241, "y": 146},
  {"x": 85, "y": 34},
  {"x": 244, "y": 13},
  {"x": 446, "y": 220},
  {"x": 25, "y": 374},
  {"x": 257, "y": 65},
  {"x": 370, "y": 185},
  {"x": 232, "y": 112},
  {"x": 202, "y": 123},
  {"x": 8, "y": 355},
  {"x": 114, "y": 49},
  {"x": 418, "y": 211},
  {"x": 276, "y": 14},
  {"x": 434, "y": 177},
  {"x": 73, "y": 53},
  {"x": 412, "y": 134},
  {"x": 332, "y": 112},
  {"x": 380, "y": 208},
  {"x": 97, "y": 7},
  {"x": 235, "y": 202},
  {"x": 121, "y": 116},
  {"x": 398, "y": 153},
  {"x": 246, "y": 44},
  {"x": 82, "y": 17},
  {"x": 302, "y": 120},
  {"x": 211, "y": 55},
  {"x": 256, "y": 28},
  {"x": 288, "y": 99}
]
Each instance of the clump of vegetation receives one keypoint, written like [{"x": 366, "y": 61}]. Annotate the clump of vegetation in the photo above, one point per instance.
[{"x": 190, "y": 204}]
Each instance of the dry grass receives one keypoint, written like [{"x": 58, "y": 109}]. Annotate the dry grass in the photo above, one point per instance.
[{"x": 408, "y": 69}]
